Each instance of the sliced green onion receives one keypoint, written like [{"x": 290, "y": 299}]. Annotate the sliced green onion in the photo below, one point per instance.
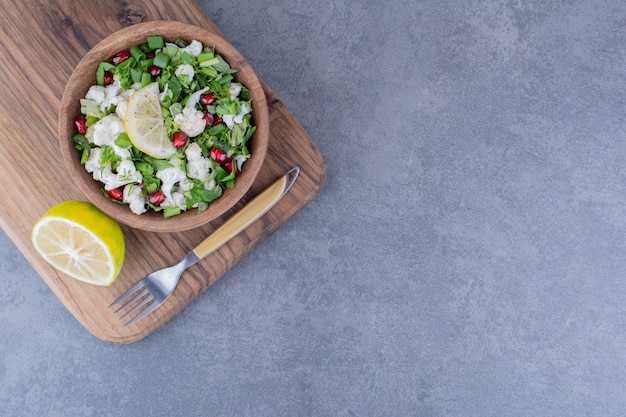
[
  {"x": 102, "y": 68},
  {"x": 145, "y": 79},
  {"x": 209, "y": 71},
  {"x": 205, "y": 56},
  {"x": 186, "y": 57},
  {"x": 155, "y": 42},
  {"x": 136, "y": 74},
  {"x": 136, "y": 53},
  {"x": 209, "y": 62},
  {"x": 161, "y": 60},
  {"x": 145, "y": 64}
]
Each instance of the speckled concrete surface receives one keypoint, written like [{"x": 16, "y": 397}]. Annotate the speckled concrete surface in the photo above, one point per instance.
[{"x": 465, "y": 258}]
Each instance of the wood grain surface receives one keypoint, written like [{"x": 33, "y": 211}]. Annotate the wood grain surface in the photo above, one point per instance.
[{"x": 41, "y": 42}]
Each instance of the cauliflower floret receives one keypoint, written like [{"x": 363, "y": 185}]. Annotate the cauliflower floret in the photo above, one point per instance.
[
  {"x": 94, "y": 163},
  {"x": 122, "y": 100},
  {"x": 177, "y": 199},
  {"x": 96, "y": 93},
  {"x": 195, "y": 98},
  {"x": 174, "y": 184},
  {"x": 127, "y": 173},
  {"x": 232, "y": 119},
  {"x": 190, "y": 121},
  {"x": 109, "y": 178},
  {"x": 193, "y": 152},
  {"x": 185, "y": 185},
  {"x": 234, "y": 90},
  {"x": 135, "y": 199},
  {"x": 169, "y": 178},
  {"x": 120, "y": 109},
  {"x": 104, "y": 133},
  {"x": 240, "y": 159},
  {"x": 194, "y": 48},
  {"x": 198, "y": 167},
  {"x": 185, "y": 69},
  {"x": 125, "y": 94},
  {"x": 104, "y": 96}
]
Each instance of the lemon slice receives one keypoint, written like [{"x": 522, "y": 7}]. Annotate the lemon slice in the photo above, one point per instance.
[
  {"x": 144, "y": 123},
  {"x": 82, "y": 242}
]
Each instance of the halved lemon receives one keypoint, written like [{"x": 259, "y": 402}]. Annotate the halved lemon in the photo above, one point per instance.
[
  {"x": 144, "y": 123},
  {"x": 82, "y": 242}
]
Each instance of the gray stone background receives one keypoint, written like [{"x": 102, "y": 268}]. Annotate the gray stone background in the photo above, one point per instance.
[{"x": 465, "y": 258}]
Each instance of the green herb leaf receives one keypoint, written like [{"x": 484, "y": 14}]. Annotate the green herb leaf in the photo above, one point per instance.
[
  {"x": 222, "y": 66},
  {"x": 81, "y": 143},
  {"x": 175, "y": 87},
  {"x": 200, "y": 194},
  {"x": 236, "y": 136},
  {"x": 109, "y": 157},
  {"x": 123, "y": 141}
]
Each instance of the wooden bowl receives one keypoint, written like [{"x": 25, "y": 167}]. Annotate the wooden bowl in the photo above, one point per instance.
[{"x": 84, "y": 76}]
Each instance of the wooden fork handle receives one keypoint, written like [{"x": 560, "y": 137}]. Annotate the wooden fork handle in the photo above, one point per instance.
[{"x": 256, "y": 208}]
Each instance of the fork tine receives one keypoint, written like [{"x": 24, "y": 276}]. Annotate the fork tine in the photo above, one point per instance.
[
  {"x": 132, "y": 300},
  {"x": 130, "y": 291},
  {"x": 144, "y": 313},
  {"x": 136, "y": 308}
]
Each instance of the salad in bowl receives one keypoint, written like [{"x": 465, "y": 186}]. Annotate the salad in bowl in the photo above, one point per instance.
[{"x": 164, "y": 126}]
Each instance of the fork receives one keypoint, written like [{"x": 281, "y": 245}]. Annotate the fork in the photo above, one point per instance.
[{"x": 152, "y": 291}]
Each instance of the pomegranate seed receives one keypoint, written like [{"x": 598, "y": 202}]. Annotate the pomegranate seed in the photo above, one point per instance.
[
  {"x": 108, "y": 78},
  {"x": 121, "y": 57},
  {"x": 207, "y": 99},
  {"x": 218, "y": 155},
  {"x": 150, "y": 55},
  {"x": 229, "y": 166},
  {"x": 208, "y": 118},
  {"x": 179, "y": 139},
  {"x": 217, "y": 120},
  {"x": 154, "y": 71},
  {"x": 116, "y": 194},
  {"x": 80, "y": 125},
  {"x": 156, "y": 198}
]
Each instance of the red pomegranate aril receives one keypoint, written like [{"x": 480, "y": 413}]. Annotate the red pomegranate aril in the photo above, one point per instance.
[
  {"x": 154, "y": 71},
  {"x": 218, "y": 155},
  {"x": 209, "y": 118},
  {"x": 179, "y": 139},
  {"x": 108, "y": 78},
  {"x": 150, "y": 55},
  {"x": 207, "y": 99},
  {"x": 80, "y": 124},
  {"x": 230, "y": 165},
  {"x": 156, "y": 198},
  {"x": 116, "y": 194},
  {"x": 120, "y": 57},
  {"x": 217, "y": 120}
]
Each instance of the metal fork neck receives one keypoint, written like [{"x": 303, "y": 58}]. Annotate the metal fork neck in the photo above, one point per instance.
[{"x": 190, "y": 259}]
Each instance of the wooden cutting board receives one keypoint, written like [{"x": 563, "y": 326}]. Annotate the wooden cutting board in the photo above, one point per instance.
[{"x": 41, "y": 42}]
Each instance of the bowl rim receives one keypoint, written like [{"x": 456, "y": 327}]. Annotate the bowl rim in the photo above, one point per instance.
[{"x": 124, "y": 39}]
